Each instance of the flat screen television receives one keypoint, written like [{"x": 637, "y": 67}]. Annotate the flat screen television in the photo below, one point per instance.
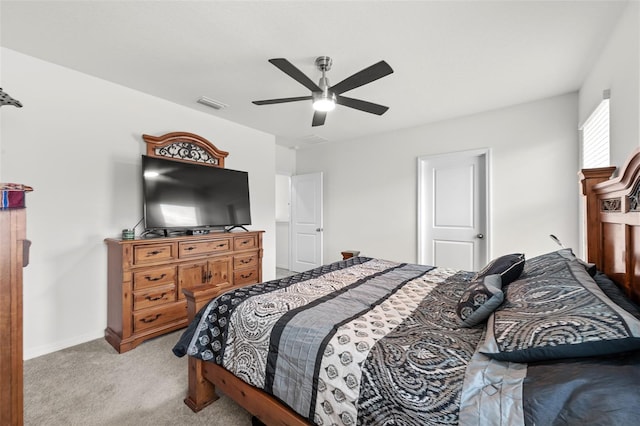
[{"x": 188, "y": 196}]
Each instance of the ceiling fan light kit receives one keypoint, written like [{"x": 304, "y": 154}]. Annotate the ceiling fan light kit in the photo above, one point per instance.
[
  {"x": 323, "y": 102},
  {"x": 324, "y": 96}
]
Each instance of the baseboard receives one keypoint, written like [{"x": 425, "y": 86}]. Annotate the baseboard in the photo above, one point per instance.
[{"x": 34, "y": 352}]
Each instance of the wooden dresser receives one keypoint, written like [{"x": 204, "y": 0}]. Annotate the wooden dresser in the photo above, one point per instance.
[
  {"x": 146, "y": 278},
  {"x": 14, "y": 255}
]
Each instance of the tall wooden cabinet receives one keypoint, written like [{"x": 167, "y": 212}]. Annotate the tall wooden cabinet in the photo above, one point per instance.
[
  {"x": 146, "y": 278},
  {"x": 13, "y": 257}
]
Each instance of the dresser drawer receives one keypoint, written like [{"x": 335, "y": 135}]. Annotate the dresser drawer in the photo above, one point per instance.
[
  {"x": 153, "y": 253},
  {"x": 154, "y": 297},
  {"x": 197, "y": 248},
  {"x": 154, "y": 317},
  {"x": 245, "y": 261},
  {"x": 245, "y": 276},
  {"x": 246, "y": 242},
  {"x": 154, "y": 277}
]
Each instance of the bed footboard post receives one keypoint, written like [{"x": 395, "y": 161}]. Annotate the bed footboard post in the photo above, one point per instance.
[
  {"x": 201, "y": 391},
  {"x": 197, "y": 297}
]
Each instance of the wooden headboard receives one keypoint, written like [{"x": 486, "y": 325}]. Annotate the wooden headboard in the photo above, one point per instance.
[
  {"x": 613, "y": 222},
  {"x": 186, "y": 147}
]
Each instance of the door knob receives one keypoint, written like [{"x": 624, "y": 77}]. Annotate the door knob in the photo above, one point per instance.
[
  {"x": 480, "y": 236},
  {"x": 319, "y": 229}
]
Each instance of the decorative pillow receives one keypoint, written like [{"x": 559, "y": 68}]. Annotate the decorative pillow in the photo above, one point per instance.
[
  {"x": 480, "y": 299},
  {"x": 558, "y": 313},
  {"x": 616, "y": 294},
  {"x": 544, "y": 263},
  {"x": 590, "y": 267},
  {"x": 509, "y": 267}
]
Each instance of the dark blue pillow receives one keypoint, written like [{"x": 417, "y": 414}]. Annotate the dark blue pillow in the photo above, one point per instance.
[
  {"x": 509, "y": 267},
  {"x": 616, "y": 294}
]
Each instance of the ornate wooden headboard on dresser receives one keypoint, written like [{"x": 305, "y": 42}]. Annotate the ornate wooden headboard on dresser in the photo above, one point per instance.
[{"x": 613, "y": 222}]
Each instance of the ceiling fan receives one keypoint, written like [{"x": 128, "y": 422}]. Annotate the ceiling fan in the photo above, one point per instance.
[{"x": 324, "y": 96}]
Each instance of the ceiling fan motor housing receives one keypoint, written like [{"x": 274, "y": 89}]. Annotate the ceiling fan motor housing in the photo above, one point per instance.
[
  {"x": 323, "y": 63},
  {"x": 324, "y": 84}
]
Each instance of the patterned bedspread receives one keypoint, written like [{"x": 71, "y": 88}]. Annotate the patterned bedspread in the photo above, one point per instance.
[
  {"x": 362, "y": 341},
  {"x": 372, "y": 342}
]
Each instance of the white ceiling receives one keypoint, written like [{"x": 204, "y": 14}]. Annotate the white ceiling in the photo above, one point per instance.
[{"x": 450, "y": 58}]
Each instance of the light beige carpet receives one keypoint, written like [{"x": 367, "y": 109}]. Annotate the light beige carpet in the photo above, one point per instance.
[{"x": 91, "y": 384}]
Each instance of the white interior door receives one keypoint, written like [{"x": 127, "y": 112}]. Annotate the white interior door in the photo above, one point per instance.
[
  {"x": 453, "y": 210},
  {"x": 306, "y": 222}
]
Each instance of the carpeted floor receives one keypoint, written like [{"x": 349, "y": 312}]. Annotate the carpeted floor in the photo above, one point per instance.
[{"x": 91, "y": 384}]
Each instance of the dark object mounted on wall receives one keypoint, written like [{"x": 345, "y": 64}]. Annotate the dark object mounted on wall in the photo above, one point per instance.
[{"x": 5, "y": 99}]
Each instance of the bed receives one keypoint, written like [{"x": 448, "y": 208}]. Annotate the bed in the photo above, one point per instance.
[{"x": 550, "y": 339}]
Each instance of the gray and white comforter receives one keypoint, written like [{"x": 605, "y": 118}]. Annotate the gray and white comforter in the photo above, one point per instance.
[
  {"x": 371, "y": 342},
  {"x": 359, "y": 341}
]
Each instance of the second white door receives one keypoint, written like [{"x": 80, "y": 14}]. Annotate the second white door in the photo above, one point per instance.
[
  {"x": 452, "y": 210},
  {"x": 306, "y": 222}
]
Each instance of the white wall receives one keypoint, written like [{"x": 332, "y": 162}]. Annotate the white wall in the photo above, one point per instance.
[
  {"x": 285, "y": 160},
  {"x": 370, "y": 184},
  {"x": 285, "y": 167},
  {"x": 283, "y": 216},
  {"x": 77, "y": 141},
  {"x": 618, "y": 68}
]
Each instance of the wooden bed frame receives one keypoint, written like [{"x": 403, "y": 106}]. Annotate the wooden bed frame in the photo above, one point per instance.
[{"x": 612, "y": 223}]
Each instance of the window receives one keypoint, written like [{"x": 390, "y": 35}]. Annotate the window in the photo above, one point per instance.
[{"x": 595, "y": 136}]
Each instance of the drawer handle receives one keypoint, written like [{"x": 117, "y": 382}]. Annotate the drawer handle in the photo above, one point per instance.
[
  {"x": 222, "y": 245},
  {"x": 153, "y": 253},
  {"x": 156, "y": 278},
  {"x": 153, "y": 299},
  {"x": 189, "y": 248},
  {"x": 245, "y": 242},
  {"x": 246, "y": 276},
  {"x": 150, "y": 320},
  {"x": 244, "y": 262}
]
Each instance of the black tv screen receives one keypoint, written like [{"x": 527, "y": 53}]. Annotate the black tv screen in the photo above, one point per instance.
[{"x": 179, "y": 195}]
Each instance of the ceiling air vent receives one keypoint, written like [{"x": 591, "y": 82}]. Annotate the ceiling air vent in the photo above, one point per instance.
[
  {"x": 212, "y": 103},
  {"x": 313, "y": 140}
]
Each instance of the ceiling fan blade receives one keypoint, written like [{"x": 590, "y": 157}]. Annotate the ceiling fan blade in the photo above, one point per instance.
[
  {"x": 363, "y": 77},
  {"x": 282, "y": 100},
  {"x": 318, "y": 118},
  {"x": 361, "y": 105},
  {"x": 293, "y": 72}
]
